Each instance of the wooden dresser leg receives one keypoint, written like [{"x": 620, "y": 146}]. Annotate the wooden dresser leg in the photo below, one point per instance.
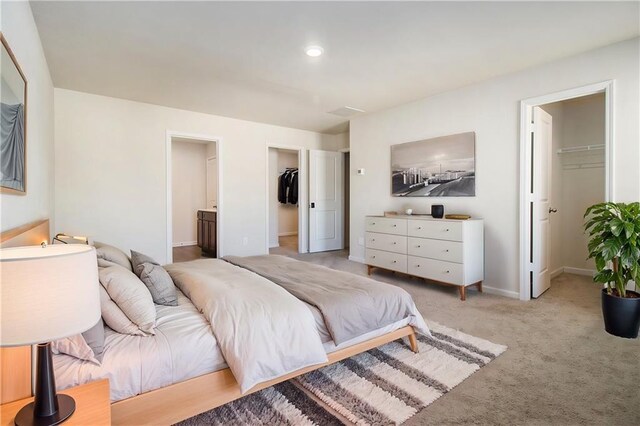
[
  {"x": 479, "y": 285},
  {"x": 369, "y": 268},
  {"x": 413, "y": 342},
  {"x": 463, "y": 293}
]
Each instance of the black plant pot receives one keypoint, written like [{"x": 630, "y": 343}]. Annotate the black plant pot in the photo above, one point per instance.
[{"x": 621, "y": 315}]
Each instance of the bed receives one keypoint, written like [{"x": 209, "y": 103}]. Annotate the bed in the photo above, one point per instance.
[{"x": 186, "y": 368}]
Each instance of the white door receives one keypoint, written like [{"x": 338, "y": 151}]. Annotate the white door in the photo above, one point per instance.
[
  {"x": 212, "y": 182},
  {"x": 540, "y": 198},
  {"x": 325, "y": 201}
]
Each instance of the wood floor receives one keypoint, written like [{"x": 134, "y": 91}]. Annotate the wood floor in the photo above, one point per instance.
[{"x": 186, "y": 253}]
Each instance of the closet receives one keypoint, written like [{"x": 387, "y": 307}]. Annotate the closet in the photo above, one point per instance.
[
  {"x": 283, "y": 198},
  {"x": 577, "y": 179}
]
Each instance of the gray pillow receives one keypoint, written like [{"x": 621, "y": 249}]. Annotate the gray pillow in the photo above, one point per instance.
[
  {"x": 131, "y": 296},
  {"x": 110, "y": 255},
  {"x": 157, "y": 280},
  {"x": 95, "y": 338}
]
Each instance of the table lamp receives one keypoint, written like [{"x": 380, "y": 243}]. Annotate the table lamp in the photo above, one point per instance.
[{"x": 47, "y": 293}]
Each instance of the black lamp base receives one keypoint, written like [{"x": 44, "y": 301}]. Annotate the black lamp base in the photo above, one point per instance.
[{"x": 26, "y": 416}]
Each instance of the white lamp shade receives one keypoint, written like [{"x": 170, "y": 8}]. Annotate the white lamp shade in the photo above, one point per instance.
[{"x": 47, "y": 293}]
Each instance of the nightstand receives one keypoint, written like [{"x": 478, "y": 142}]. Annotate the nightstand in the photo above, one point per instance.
[{"x": 93, "y": 406}]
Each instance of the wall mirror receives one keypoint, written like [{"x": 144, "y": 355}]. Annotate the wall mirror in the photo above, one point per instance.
[{"x": 13, "y": 124}]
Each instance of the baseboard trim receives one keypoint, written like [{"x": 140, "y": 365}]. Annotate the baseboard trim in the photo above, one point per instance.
[
  {"x": 356, "y": 259},
  {"x": 557, "y": 272},
  {"x": 501, "y": 292},
  {"x": 288, "y": 234},
  {"x": 185, "y": 244},
  {"x": 579, "y": 271}
]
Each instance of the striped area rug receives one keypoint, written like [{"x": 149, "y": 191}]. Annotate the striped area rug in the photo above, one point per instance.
[{"x": 384, "y": 386}]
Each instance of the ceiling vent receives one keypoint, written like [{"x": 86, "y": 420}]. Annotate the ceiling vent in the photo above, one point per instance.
[{"x": 346, "y": 111}]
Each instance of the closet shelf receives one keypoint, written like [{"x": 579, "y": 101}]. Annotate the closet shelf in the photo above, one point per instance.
[{"x": 581, "y": 148}]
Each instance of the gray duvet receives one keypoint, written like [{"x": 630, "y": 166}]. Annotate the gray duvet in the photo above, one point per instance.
[{"x": 351, "y": 305}]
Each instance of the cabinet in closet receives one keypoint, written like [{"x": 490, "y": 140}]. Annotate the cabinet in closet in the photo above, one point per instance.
[{"x": 207, "y": 238}]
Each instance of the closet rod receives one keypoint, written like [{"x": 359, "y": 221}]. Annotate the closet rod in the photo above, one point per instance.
[{"x": 581, "y": 148}]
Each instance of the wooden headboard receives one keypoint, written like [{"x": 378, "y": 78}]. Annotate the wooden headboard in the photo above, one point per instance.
[{"x": 15, "y": 363}]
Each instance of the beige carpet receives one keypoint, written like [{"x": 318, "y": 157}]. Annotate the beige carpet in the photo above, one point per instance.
[{"x": 561, "y": 367}]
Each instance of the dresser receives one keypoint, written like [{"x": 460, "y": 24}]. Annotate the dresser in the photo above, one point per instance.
[{"x": 445, "y": 251}]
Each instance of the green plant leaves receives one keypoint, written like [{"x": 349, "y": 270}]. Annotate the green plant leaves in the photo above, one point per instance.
[{"x": 614, "y": 231}]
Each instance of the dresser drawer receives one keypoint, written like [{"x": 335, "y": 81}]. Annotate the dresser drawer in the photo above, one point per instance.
[
  {"x": 387, "y": 242},
  {"x": 441, "y": 230},
  {"x": 437, "y": 270},
  {"x": 386, "y": 260},
  {"x": 450, "y": 251},
  {"x": 386, "y": 225}
]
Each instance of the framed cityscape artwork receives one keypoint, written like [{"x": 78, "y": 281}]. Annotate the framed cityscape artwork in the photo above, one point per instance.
[{"x": 437, "y": 167}]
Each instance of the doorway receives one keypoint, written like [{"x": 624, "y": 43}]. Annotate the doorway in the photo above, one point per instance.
[
  {"x": 194, "y": 211},
  {"x": 565, "y": 167},
  {"x": 284, "y": 201}
]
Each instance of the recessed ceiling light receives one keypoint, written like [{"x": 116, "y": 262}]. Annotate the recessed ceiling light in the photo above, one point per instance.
[{"x": 314, "y": 51}]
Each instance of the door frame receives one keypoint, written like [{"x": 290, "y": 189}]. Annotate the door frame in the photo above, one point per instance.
[
  {"x": 526, "y": 111},
  {"x": 170, "y": 134},
  {"x": 303, "y": 187}
]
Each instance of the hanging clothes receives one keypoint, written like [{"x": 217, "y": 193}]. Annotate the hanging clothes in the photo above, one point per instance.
[
  {"x": 282, "y": 187},
  {"x": 288, "y": 187},
  {"x": 292, "y": 195}
]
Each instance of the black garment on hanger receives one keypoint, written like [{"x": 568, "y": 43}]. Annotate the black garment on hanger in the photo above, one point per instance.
[
  {"x": 282, "y": 187},
  {"x": 292, "y": 195}
]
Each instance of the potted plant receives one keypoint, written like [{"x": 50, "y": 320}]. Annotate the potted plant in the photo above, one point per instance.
[{"x": 614, "y": 244}]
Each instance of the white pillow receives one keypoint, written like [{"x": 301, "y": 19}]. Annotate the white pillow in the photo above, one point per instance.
[
  {"x": 109, "y": 255},
  {"x": 74, "y": 346},
  {"x": 131, "y": 296},
  {"x": 115, "y": 318}
]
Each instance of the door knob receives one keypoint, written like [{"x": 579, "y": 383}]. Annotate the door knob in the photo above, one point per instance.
[{"x": 553, "y": 210}]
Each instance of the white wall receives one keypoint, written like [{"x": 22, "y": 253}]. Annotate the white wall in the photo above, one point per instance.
[
  {"x": 491, "y": 109},
  {"x": 111, "y": 171},
  {"x": 19, "y": 29},
  {"x": 189, "y": 189}
]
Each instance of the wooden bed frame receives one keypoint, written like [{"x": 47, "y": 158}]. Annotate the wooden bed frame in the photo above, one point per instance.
[
  {"x": 182, "y": 400},
  {"x": 172, "y": 403}
]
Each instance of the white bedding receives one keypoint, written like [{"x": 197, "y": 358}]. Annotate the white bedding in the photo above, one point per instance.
[
  {"x": 263, "y": 331},
  {"x": 182, "y": 348},
  {"x": 231, "y": 300}
]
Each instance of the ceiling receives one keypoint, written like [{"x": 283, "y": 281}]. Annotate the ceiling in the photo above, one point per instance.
[{"x": 246, "y": 59}]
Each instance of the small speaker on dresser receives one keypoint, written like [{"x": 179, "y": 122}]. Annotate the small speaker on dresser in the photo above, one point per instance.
[{"x": 437, "y": 211}]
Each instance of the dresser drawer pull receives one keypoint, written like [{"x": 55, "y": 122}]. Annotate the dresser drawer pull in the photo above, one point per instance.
[
  {"x": 373, "y": 223},
  {"x": 373, "y": 257},
  {"x": 446, "y": 230},
  {"x": 394, "y": 243},
  {"x": 419, "y": 227},
  {"x": 446, "y": 251},
  {"x": 394, "y": 225},
  {"x": 418, "y": 246},
  {"x": 373, "y": 239},
  {"x": 417, "y": 266},
  {"x": 447, "y": 271},
  {"x": 395, "y": 261}
]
